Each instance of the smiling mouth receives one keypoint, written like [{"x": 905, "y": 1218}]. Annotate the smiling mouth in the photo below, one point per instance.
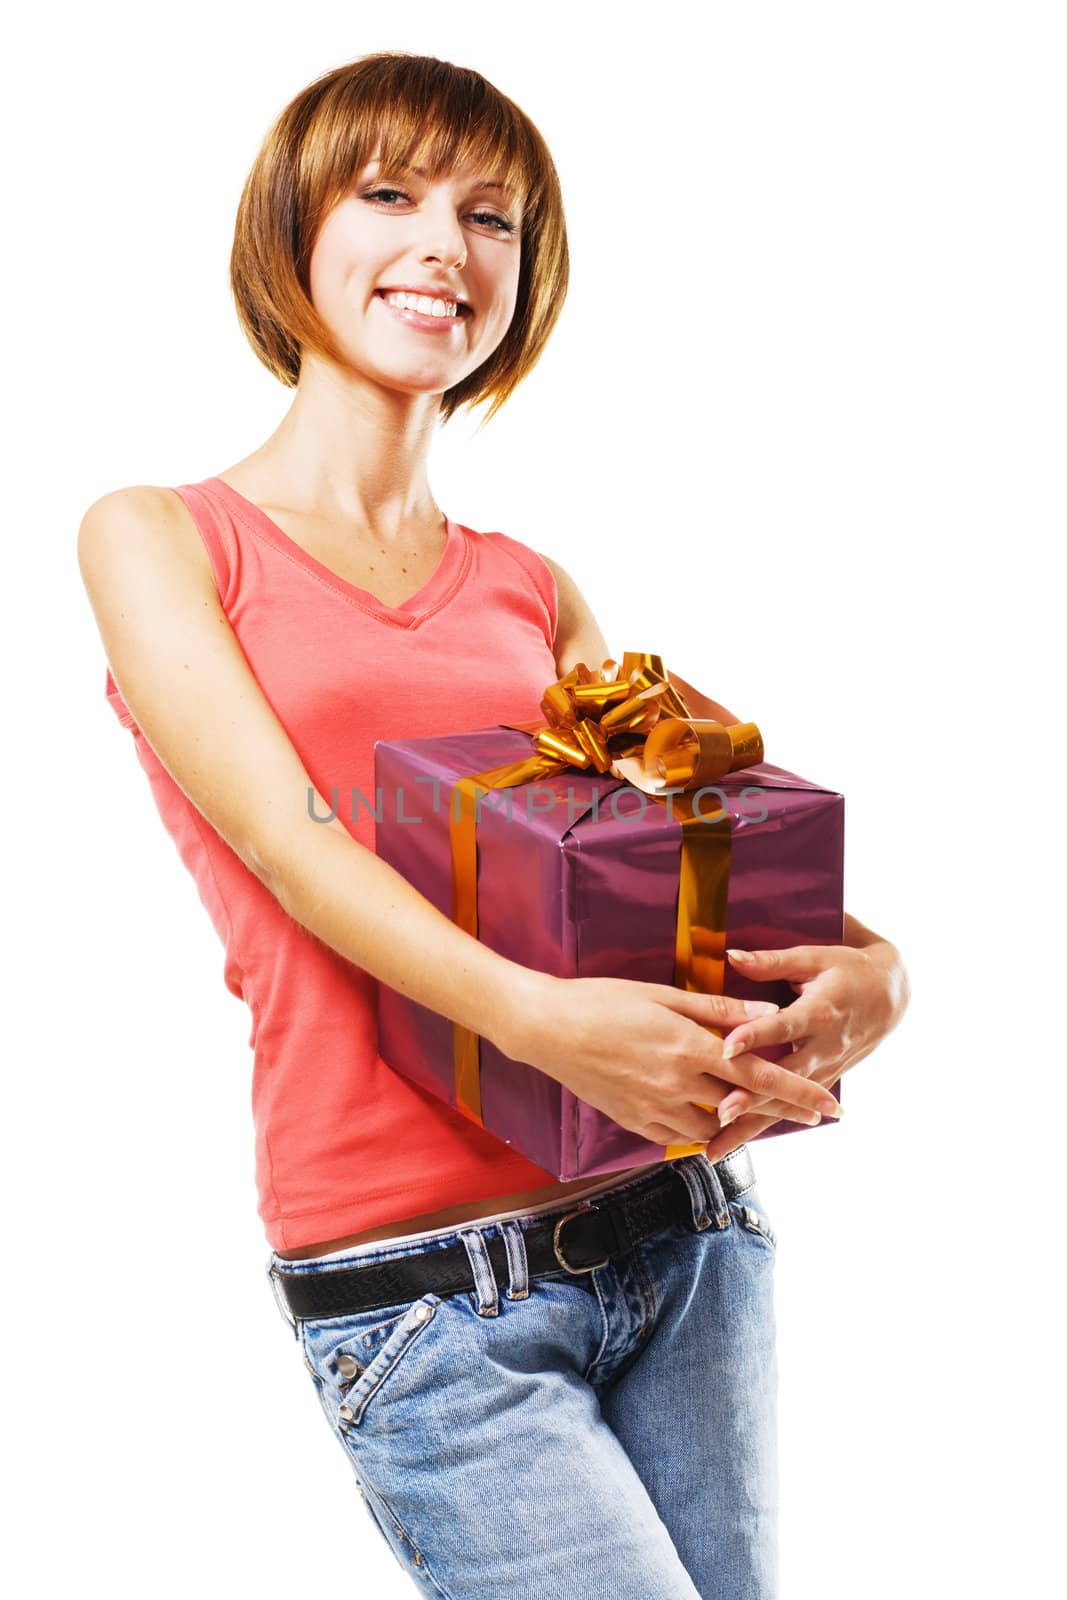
[{"x": 410, "y": 314}]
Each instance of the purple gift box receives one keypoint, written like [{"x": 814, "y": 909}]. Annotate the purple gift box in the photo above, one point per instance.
[{"x": 578, "y": 876}]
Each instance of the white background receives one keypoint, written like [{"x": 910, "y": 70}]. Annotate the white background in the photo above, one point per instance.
[{"x": 800, "y": 428}]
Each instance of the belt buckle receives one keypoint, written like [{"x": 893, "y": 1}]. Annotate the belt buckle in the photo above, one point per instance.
[{"x": 577, "y": 1271}]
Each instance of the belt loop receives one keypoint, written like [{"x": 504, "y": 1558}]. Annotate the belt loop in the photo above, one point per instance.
[
  {"x": 281, "y": 1301},
  {"x": 518, "y": 1262},
  {"x": 703, "y": 1214},
  {"x": 716, "y": 1194},
  {"x": 484, "y": 1277}
]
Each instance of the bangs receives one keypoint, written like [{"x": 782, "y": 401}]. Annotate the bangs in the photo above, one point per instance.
[
  {"x": 438, "y": 121},
  {"x": 445, "y": 146}
]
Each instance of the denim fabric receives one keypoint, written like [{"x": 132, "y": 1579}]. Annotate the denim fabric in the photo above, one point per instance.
[{"x": 611, "y": 1436}]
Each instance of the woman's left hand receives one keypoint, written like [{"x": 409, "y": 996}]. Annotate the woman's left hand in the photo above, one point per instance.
[{"x": 849, "y": 999}]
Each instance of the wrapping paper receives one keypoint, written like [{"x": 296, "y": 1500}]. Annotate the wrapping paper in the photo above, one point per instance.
[{"x": 577, "y": 875}]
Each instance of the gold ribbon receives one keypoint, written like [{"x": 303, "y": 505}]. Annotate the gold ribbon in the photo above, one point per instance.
[{"x": 633, "y": 722}]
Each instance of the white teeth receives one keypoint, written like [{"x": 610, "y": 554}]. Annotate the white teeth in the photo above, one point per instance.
[{"x": 424, "y": 304}]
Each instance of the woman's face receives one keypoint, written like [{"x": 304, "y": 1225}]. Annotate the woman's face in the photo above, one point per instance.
[{"x": 457, "y": 234}]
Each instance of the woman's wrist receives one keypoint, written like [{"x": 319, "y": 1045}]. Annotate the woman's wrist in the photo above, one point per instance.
[
  {"x": 884, "y": 955},
  {"x": 522, "y": 997},
  {"x": 888, "y": 959}
]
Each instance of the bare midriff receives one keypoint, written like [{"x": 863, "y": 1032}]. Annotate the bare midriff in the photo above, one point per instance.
[{"x": 458, "y": 1214}]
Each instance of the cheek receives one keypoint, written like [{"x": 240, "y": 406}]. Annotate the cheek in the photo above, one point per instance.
[
  {"x": 331, "y": 281},
  {"x": 497, "y": 322},
  {"x": 500, "y": 293},
  {"x": 322, "y": 277}
]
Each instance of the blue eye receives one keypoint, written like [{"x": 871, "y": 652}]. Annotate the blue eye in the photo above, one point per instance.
[
  {"x": 490, "y": 217},
  {"x": 501, "y": 222}
]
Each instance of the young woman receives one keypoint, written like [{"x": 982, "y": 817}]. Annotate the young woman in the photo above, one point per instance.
[{"x": 580, "y": 1410}]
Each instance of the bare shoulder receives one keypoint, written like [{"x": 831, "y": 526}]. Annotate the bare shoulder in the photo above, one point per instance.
[
  {"x": 579, "y": 636},
  {"x": 183, "y": 674},
  {"x": 561, "y": 575},
  {"x": 141, "y": 523}
]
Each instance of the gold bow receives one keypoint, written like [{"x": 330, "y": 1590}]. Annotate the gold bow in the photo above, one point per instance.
[{"x": 633, "y": 722}]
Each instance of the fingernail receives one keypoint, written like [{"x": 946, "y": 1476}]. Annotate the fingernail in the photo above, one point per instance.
[
  {"x": 734, "y": 1046},
  {"x": 759, "y": 1008},
  {"x": 740, "y": 955},
  {"x": 727, "y": 1116},
  {"x": 832, "y": 1109}
]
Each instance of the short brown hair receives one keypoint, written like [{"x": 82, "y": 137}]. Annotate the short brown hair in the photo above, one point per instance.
[{"x": 422, "y": 111}]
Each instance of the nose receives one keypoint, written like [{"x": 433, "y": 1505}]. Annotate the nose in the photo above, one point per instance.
[{"x": 442, "y": 236}]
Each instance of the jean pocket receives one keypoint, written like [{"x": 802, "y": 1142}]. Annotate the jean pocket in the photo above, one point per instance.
[
  {"x": 750, "y": 1212},
  {"x": 353, "y": 1357}
]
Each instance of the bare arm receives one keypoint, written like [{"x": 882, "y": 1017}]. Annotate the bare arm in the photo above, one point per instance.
[
  {"x": 886, "y": 955},
  {"x": 185, "y": 678},
  {"x": 578, "y": 633}
]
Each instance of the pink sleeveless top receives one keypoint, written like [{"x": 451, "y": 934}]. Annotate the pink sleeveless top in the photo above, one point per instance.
[{"x": 342, "y": 1142}]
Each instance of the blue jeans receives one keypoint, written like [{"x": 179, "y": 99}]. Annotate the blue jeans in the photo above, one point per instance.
[{"x": 547, "y": 1442}]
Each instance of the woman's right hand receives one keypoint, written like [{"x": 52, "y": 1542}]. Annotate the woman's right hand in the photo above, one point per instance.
[{"x": 643, "y": 1054}]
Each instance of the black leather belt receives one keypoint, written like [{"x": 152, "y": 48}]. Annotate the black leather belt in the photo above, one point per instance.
[{"x": 577, "y": 1239}]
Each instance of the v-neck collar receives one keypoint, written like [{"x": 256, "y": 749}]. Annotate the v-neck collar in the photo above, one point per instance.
[{"x": 428, "y": 598}]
